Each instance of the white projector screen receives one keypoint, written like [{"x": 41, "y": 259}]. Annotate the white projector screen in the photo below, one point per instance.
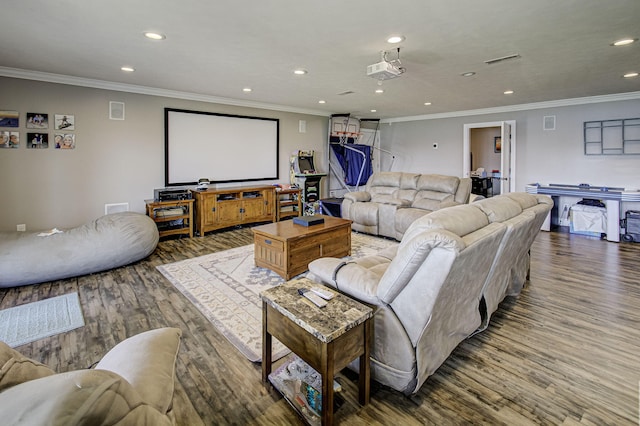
[{"x": 219, "y": 147}]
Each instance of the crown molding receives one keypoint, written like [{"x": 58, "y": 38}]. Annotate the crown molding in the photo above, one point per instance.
[
  {"x": 152, "y": 91},
  {"x": 145, "y": 90},
  {"x": 521, "y": 107}
]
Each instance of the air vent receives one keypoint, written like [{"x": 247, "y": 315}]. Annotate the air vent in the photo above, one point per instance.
[
  {"x": 502, "y": 59},
  {"x": 348, "y": 92}
]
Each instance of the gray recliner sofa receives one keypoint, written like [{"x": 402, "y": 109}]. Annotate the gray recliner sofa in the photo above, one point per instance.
[
  {"x": 437, "y": 286},
  {"x": 391, "y": 201}
]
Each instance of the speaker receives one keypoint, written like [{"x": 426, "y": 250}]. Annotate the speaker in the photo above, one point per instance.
[
  {"x": 549, "y": 122},
  {"x": 116, "y": 110}
]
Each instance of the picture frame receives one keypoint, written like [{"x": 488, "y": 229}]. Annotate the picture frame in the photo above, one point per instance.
[
  {"x": 37, "y": 140},
  {"x": 9, "y": 139},
  {"x": 37, "y": 120},
  {"x": 9, "y": 118},
  {"x": 497, "y": 144},
  {"x": 64, "y": 122}
]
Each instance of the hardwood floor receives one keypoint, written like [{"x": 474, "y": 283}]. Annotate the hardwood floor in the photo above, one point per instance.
[{"x": 564, "y": 352}]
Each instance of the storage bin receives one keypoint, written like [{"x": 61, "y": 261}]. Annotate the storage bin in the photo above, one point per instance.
[{"x": 588, "y": 220}]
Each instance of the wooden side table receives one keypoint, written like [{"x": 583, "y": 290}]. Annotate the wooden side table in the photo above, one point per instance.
[
  {"x": 165, "y": 212},
  {"x": 327, "y": 339}
]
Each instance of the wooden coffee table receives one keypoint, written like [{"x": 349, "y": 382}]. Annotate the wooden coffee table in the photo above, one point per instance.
[{"x": 287, "y": 248}]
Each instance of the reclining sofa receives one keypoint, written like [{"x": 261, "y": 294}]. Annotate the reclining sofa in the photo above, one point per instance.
[
  {"x": 441, "y": 283},
  {"x": 131, "y": 385},
  {"x": 391, "y": 201}
]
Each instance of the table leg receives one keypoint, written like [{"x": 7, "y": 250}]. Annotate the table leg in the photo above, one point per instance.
[
  {"x": 364, "y": 381},
  {"x": 266, "y": 345},
  {"x": 327, "y": 372}
]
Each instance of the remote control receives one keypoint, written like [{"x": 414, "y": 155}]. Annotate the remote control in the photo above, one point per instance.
[
  {"x": 313, "y": 297},
  {"x": 322, "y": 292}
]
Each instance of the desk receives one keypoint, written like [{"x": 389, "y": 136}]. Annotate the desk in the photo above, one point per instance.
[
  {"x": 610, "y": 196},
  {"x": 327, "y": 339}
]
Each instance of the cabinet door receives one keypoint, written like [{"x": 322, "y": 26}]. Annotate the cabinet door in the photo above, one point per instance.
[
  {"x": 229, "y": 212},
  {"x": 209, "y": 210},
  {"x": 254, "y": 208}
]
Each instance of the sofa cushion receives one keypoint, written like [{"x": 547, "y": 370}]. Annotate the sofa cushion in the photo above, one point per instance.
[
  {"x": 438, "y": 183},
  {"x": 525, "y": 200},
  {"x": 147, "y": 361},
  {"x": 431, "y": 201},
  {"x": 15, "y": 368},
  {"x": 460, "y": 220},
  {"x": 385, "y": 179},
  {"x": 390, "y": 199},
  {"x": 499, "y": 209}
]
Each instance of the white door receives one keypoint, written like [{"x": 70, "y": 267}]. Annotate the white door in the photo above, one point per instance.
[{"x": 505, "y": 158}]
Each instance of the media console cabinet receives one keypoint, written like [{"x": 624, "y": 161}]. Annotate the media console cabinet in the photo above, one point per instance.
[{"x": 221, "y": 208}]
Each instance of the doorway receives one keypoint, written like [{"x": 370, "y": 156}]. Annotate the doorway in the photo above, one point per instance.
[{"x": 507, "y": 152}]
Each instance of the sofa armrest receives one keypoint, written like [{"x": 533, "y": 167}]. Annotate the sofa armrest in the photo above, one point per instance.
[
  {"x": 348, "y": 277},
  {"x": 81, "y": 397},
  {"x": 358, "y": 196},
  {"x": 147, "y": 361}
]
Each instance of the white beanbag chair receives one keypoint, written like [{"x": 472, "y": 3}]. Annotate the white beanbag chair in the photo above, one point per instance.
[{"x": 105, "y": 243}]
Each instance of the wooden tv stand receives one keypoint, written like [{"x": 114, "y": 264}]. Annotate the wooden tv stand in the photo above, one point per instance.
[{"x": 221, "y": 208}]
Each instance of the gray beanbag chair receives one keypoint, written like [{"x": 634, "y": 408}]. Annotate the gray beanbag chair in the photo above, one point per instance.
[{"x": 107, "y": 242}]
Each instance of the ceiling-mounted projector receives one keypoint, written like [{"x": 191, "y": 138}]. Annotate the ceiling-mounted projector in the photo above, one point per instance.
[{"x": 386, "y": 70}]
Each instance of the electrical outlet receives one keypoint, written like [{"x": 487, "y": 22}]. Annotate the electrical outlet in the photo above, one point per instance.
[{"x": 21, "y": 227}]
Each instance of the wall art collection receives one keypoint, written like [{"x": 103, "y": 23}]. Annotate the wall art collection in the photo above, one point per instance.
[{"x": 37, "y": 136}]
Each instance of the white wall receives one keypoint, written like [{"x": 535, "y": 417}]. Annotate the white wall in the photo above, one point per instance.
[
  {"x": 544, "y": 156},
  {"x": 114, "y": 161}
]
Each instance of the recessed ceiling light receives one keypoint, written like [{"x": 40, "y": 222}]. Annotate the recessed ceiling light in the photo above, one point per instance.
[
  {"x": 395, "y": 39},
  {"x": 624, "y": 41},
  {"x": 374, "y": 110},
  {"x": 247, "y": 89},
  {"x": 427, "y": 103},
  {"x": 300, "y": 72},
  {"x": 508, "y": 92},
  {"x": 154, "y": 36},
  {"x": 379, "y": 91},
  {"x": 322, "y": 102},
  {"x": 127, "y": 69},
  {"x": 468, "y": 74},
  {"x": 630, "y": 75}
]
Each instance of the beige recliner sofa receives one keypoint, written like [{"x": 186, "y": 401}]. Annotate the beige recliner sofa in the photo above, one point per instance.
[
  {"x": 429, "y": 291},
  {"x": 131, "y": 385},
  {"x": 391, "y": 201}
]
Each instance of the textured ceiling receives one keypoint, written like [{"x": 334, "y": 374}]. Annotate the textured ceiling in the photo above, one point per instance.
[{"x": 216, "y": 48}]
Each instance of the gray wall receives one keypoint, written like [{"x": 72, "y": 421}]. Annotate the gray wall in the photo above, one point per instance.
[
  {"x": 123, "y": 161},
  {"x": 114, "y": 161},
  {"x": 544, "y": 156}
]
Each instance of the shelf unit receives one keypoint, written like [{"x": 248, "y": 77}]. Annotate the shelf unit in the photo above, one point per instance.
[
  {"x": 289, "y": 203},
  {"x": 171, "y": 217},
  {"x": 612, "y": 137}
]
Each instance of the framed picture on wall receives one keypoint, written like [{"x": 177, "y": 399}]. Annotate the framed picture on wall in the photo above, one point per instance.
[
  {"x": 64, "y": 122},
  {"x": 64, "y": 141},
  {"x": 9, "y": 118},
  {"x": 9, "y": 139},
  {"x": 37, "y": 140},
  {"x": 497, "y": 144},
  {"x": 37, "y": 120}
]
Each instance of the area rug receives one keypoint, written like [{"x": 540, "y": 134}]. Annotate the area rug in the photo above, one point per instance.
[
  {"x": 33, "y": 321},
  {"x": 226, "y": 288}
]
